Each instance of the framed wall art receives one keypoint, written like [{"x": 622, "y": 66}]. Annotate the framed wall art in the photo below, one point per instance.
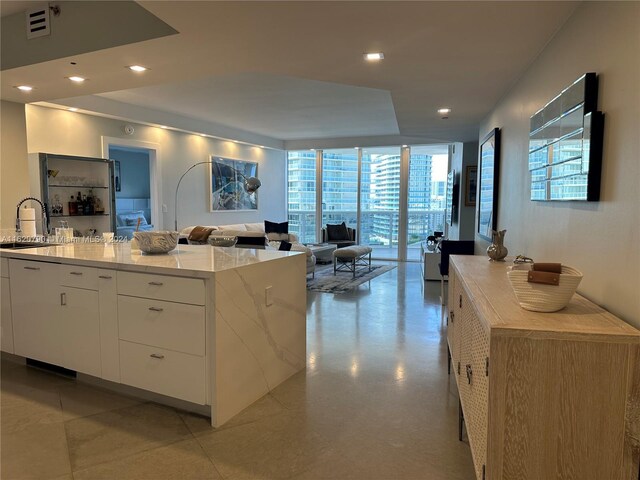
[
  {"x": 228, "y": 187},
  {"x": 489, "y": 169},
  {"x": 471, "y": 186}
]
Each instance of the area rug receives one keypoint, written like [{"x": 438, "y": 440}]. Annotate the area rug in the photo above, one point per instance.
[{"x": 326, "y": 282}]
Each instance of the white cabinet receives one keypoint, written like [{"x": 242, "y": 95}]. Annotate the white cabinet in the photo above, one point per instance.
[
  {"x": 35, "y": 302},
  {"x": 6, "y": 325},
  {"x": 162, "y": 343},
  {"x": 54, "y": 323},
  {"x": 78, "y": 318},
  {"x": 109, "y": 348}
]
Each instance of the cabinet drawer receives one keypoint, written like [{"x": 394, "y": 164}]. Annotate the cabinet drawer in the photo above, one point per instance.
[
  {"x": 162, "y": 287},
  {"x": 4, "y": 267},
  {"x": 79, "y": 277},
  {"x": 175, "y": 326},
  {"x": 174, "y": 374}
]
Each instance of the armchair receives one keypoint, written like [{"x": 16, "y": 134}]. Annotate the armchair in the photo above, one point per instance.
[
  {"x": 451, "y": 247},
  {"x": 342, "y": 239}
]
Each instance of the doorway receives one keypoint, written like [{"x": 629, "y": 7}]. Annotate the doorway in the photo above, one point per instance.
[{"x": 137, "y": 184}]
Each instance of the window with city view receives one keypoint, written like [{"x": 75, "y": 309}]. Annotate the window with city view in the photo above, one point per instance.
[{"x": 379, "y": 203}]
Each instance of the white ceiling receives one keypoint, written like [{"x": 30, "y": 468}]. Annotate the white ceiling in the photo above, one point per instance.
[{"x": 294, "y": 70}]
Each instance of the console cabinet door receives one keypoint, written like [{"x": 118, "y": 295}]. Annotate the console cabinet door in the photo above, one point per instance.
[
  {"x": 79, "y": 319},
  {"x": 35, "y": 304}
]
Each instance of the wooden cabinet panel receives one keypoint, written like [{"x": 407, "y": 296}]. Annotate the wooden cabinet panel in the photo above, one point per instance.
[{"x": 559, "y": 397}]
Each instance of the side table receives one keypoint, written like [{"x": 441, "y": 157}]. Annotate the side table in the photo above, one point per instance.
[{"x": 429, "y": 262}]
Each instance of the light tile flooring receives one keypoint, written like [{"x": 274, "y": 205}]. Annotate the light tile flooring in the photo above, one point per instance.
[{"x": 374, "y": 403}]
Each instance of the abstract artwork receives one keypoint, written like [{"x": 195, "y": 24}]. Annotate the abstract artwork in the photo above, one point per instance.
[{"x": 228, "y": 190}]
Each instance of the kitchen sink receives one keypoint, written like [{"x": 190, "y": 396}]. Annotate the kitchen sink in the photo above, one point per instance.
[{"x": 20, "y": 245}]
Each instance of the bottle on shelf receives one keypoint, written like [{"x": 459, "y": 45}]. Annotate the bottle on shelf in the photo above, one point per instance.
[
  {"x": 73, "y": 206},
  {"x": 56, "y": 206},
  {"x": 88, "y": 204},
  {"x": 80, "y": 204}
]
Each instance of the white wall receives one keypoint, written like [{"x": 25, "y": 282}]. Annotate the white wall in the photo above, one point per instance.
[
  {"x": 14, "y": 173},
  {"x": 60, "y": 131},
  {"x": 601, "y": 239}
]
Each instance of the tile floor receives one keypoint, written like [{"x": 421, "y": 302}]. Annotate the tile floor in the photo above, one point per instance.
[{"x": 374, "y": 403}]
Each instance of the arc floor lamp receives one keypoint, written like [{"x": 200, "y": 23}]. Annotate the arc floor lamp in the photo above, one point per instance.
[{"x": 251, "y": 184}]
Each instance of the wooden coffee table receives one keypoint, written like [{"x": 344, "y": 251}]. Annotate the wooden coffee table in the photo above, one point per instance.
[{"x": 322, "y": 252}]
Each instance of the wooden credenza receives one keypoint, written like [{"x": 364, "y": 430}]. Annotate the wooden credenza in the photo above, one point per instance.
[{"x": 544, "y": 395}]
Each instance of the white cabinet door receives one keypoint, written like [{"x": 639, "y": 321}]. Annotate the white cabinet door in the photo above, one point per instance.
[
  {"x": 35, "y": 302},
  {"x": 109, "y": 348},
  {"x": 79, "y": 320},
  {"x": 6, "y": 327}
]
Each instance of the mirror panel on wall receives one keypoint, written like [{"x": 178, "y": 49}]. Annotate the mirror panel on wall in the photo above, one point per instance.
[{"x": 565, "y": 144}]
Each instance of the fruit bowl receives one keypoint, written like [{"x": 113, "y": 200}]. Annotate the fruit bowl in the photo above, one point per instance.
[{"x": 156, "y": 242}]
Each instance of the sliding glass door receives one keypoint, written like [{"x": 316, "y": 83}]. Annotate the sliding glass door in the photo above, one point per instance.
[
  {"x": 426, "y": 194},
  {"x": 340, "y": 187},
  {"x": 380, "y": 200},
  {"x": 301, "y": 202},
  {"x": 394, "y": 196}
]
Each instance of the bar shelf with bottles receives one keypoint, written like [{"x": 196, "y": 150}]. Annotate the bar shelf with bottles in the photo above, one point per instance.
[{"x": 79, "y": 190}]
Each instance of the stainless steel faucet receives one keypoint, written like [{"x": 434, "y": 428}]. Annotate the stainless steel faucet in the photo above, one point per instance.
[{"x": 43, "y": 207}]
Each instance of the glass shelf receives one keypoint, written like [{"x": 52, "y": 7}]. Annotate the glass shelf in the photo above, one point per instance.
[
  {"x": 80, "y": 216},
  {"x": 76, "y": 186}
]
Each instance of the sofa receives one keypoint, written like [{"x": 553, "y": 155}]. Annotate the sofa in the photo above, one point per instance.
[{"x": 272, "y": 240}]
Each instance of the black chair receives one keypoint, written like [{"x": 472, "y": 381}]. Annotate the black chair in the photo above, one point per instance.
[
  {"x": 340, "y": 243},
  {"x": 451, "y": 247}
]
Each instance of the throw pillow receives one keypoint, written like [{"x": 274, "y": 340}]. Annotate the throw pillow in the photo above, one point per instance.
[
  {"x": 272, "y": 227},
  {"x": 257, "y": 241},
  {"x": 338, "y": 232},
  {"x": 284, "y": 246}
]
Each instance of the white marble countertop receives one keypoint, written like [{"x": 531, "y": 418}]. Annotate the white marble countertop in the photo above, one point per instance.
[{"x": 186, "y": 260}]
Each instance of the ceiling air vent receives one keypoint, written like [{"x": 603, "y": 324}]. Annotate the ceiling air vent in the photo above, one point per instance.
[{"x": 38, "y": 22}]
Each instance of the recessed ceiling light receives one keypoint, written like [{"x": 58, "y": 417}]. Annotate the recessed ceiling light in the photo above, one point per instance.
[
  {"x": 203, "y": 134},
  {"x": 137, "y": 68},
  {"x": 404, "y": 146},
  {"x": 24, "y": 88},
  {"x": 77, "y": 79},
  {"x": 444, "y": 111},
  {"x": 373, "y": 56},
  {"x": 73, "y": 109},
  {"x": 163, "y": 127}
]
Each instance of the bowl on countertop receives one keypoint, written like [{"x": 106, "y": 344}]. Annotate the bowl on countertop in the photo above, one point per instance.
[{"x": 156, "y": 242}]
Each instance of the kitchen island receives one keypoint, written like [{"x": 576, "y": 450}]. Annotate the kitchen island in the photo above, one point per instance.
[{"x": 217, "y": 327}]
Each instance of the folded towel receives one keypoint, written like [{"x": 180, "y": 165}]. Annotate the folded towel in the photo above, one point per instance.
[{"x": 200, "y": 234}]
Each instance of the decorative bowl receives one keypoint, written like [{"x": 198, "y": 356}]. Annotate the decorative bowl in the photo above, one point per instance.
[
  {"x": 538, "y": 297},
  {"x": 222, "y": 241},
  {"x": 156, "y": 242}
]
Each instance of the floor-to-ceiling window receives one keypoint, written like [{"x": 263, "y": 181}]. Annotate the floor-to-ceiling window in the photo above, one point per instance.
[
  {"x": 301, "y": 200},
  {"x": 380, "y": 200},
  {"x": 394, "y": 196},
  {"x": 426, "y": 194},
  {"x": 340, "y": 187}
]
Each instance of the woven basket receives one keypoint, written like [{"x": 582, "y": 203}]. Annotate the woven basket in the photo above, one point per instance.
[{"x": 539, "y": 297}]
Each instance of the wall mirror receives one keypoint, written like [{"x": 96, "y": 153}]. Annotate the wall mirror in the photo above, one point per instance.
[
  {"x": 488, "y": 172},
  {"x": 565, "y": 144}
]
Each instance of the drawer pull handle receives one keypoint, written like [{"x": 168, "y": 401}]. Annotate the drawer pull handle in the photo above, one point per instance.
[
  {"x": 32, "y": 268},
  {"x": 156, "y": 309},
  {"x": 156, "y": 284},
  {"x": 460, "y": 301},
  {"x": 63, "y": 299},
  {"x": 157, "y": 355},
  {"x": 75, "y": 273},
  {"x": 469, "y": 373},
  {"x": 106, "y": 277}
]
